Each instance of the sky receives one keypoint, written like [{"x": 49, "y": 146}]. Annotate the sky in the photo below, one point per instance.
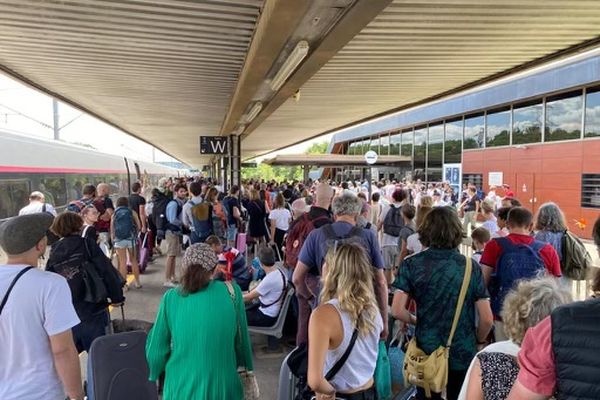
[{"x": 29, "y": 112}]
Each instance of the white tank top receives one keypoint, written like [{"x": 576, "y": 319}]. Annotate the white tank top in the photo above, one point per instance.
[{"x": 360, "y": 366}]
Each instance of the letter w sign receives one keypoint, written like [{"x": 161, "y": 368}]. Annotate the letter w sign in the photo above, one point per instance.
[{"x": 213, "y": 145}]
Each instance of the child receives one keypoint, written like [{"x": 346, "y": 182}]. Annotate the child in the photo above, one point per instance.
[
  {"x": 480, "y": 237},
  {"x": 408, "y": 215},
  {"x": 270, "y": 292}
]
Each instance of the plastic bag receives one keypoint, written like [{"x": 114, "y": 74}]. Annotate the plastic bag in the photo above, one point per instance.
[{"x": 383, "y": 375}]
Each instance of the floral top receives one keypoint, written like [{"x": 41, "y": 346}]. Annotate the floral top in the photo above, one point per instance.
[{"x": 498, "y": 374}]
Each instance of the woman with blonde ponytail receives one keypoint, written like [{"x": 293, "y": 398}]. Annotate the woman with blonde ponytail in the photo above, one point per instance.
[{"x": 348, "y": 304}]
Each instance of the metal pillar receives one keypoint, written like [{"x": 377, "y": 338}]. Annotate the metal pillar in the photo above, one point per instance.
[
  {"x": 223, "y": 174},
  {"x": 55, "y": 114},
  {"x": 235, "y": 157},
  {"x": 306, "y": 170}
]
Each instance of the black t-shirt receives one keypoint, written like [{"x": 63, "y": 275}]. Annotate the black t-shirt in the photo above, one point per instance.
[
  {"x": 229, "y": 203},
  {"x": 318, "y": 212},
  {"x": 136, "y": 201}
]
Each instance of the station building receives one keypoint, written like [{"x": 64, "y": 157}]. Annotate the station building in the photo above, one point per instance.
[{"x": 537, "y": 131}]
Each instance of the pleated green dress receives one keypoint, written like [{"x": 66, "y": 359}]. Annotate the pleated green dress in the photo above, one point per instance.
[{"x": 194, "y": 342}]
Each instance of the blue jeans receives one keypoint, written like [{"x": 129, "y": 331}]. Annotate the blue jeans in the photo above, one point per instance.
[{"x": 85, "y": 333}]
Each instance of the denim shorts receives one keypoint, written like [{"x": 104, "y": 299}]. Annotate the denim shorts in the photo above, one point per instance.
[
  {"x": 231, "y": 232},
  {"x": 124, "y": 244}
]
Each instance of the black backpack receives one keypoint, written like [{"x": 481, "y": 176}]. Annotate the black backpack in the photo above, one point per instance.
[
  {"x": 393, "y": 222},
  {"x": 334, "y": 240}
]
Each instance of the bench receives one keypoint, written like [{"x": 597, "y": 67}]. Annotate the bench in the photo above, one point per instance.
[{"x": 277, "y": 329}]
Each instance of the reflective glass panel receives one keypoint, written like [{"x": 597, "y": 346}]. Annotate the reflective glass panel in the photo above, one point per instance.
[
  {"x": 498, "y": 128},
  {"x": 420, "y": 150},
  {"x": 374, "y": 145},
  {"x": 527, "y": 124},
  {"x": 395, "y": 141},
  {"x": 563, "y": 117},
  {"x": 453, "y": 142},
  {"x": 592, "y": 113},
  {"x": 474, "y": 132},
  {"x": 384, "y": 145},
  {"x": 435, "y": 150},
  {"x": 407, "y": 143},
  {"x": 351, "y": 147}
]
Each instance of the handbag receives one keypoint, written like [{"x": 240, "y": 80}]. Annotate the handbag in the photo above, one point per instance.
[
  {"x": 383, "y": 374},
  {"x": 248, "y": 379},
  {"x": 430, "y": 372},
  {"x": 95, "y": 289}
]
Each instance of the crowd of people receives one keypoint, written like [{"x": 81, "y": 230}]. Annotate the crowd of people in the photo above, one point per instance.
[{"x": 368, "y": 262}]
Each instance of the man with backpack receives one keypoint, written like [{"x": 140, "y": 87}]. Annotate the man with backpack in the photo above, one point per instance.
[
  {"x": 173, "y": 225},
  {"x": 197, "y": 215},
  {"x": 232, "y": 207},
  {"x": 517, "y": 256},
  {"x": 346, "y": 209},
  {"x": 559, "y": 356},
  {"x": 88, "y": 197},
  {"x": 391, "y": 223}
]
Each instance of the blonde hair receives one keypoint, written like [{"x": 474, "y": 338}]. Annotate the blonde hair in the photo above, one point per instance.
[
  {"x": 531, "y": 302},
  {"x": 349, "y": 279},
  {"x": 422, "y": 212},
  {"x": 426, "y": 201},
  {"x": 254, "y": 195}
]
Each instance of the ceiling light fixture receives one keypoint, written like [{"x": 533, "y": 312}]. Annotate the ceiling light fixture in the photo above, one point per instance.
[
  {"x": 290, "y": 65},
  {"x": 254, "y": 111},
  {"x": 239, "y": 130}
]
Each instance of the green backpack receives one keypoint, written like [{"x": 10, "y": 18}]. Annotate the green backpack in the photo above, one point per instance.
[{"x": 576, "y": 260}]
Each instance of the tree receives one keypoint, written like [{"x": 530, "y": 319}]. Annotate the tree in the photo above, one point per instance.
[{"x": 317, "y": 148}]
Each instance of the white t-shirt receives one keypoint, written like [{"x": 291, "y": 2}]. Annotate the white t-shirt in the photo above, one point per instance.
[
  {"x": 388, "y": 240},
  {"x": 37, "y": 207},
  {"x": 282, "y": 217},
  {"x": 270, "y": 289},
  {"x": 39, "y": 306},
  {"x": 413, "y": 244}
]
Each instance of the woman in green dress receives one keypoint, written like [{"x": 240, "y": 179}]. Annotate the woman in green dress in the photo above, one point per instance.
[{"x": 195, "y": 337}]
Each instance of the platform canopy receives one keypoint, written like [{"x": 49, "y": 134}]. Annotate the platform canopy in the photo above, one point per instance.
[
  {"x": 168, "y": 71},
  {"x": 333, "y": 160}
]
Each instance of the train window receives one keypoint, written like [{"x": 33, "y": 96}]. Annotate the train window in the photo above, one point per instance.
[
  {"x": 527, "y": 123},
  {"x": 14, "y": 195},
  {"x": 563, "y": 117},
  {"x": 590, "y": 190},
  {"x": 592, "y": 113},
  {"x": 55, "y": 191}
]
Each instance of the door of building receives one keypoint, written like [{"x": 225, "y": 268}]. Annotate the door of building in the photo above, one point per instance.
[{"x": 525, "y": 190}]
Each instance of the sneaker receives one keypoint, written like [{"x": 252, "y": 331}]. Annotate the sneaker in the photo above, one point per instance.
[{"x": 169, "y": 284}]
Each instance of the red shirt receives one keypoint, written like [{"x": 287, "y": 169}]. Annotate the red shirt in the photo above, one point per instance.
[
  {"x": 493, "y": 250},
  {"x": 536, "y": 360}
]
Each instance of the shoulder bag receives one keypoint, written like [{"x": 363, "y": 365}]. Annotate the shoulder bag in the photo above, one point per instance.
[
  {"x": 251, "y": 390},
  {"x": 430, "y": 372}
]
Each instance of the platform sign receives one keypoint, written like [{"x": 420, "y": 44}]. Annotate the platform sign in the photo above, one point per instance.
[
  {"x": 371, "y": 157},
  {"x": 495, "y": 178},
  {"x": 213, "y": 145}
]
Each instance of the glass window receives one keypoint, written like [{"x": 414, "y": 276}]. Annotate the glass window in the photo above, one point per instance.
[
  {"x": 420, "y": 150},
  {"x": 407, "y": 143},
  {"x": 590, "y": 190},
  {"x": 474, "y": 132},
  {"x": 498, "y": 128},
  {"x": 435, "y": 152},
  {"x": 592, "y": 112},
  {"x": 374, "y": 145},
  {"x": 453, "y": 142},
  {"x": 563, "y": 117},
  {"x": 527, "y": 123},
  {"x": 55, "y": 191},
  {"x": 475, "y": 179},
  {"x": 384, "y": 145},
  {"x": 395, "y": 141},
  {"x": 351, "y": 148},
  {"x": 14, "y": 195}
]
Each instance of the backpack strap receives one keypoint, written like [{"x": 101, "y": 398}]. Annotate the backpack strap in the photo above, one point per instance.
[
  {"x": 12, "y": 285},
  {"x": 505, "y": 243},
  {"x": 340, "y": 363},
  {"x": 461, "y": 299},
  {"x": 283, "y": 291},
  {"x": 537, "y": 246}
]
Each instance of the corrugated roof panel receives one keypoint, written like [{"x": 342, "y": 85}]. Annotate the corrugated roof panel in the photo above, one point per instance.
[{"x": 421, "y": 48}]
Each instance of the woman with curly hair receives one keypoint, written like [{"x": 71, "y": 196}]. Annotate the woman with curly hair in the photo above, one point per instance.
[
  {"x": 493, "y": 371},
  {"x": 348, "y": 305}
]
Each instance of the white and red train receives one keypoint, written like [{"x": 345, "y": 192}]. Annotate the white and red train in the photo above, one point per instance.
[{"x": 60, "y": 170}]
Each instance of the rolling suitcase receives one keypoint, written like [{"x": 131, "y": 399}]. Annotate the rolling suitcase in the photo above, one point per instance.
[
  {"x": 241, "y": 245},
  {"x": 143, "y": 254},
  {"x": 117, "y": 368}
]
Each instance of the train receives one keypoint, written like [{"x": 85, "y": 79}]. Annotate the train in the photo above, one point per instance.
[{"x": 60, "y": 170}]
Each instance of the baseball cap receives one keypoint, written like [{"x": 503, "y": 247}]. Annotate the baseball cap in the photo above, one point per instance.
[{"x": 22, "y": 233}]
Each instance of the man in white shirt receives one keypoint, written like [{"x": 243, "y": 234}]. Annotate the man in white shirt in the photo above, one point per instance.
[
  {"x": 37, "y": 353},
  {"x": 37, "y": 204}
]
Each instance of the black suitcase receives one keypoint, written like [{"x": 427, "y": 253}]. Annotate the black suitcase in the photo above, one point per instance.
[{"x": 117, "y": 368}]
